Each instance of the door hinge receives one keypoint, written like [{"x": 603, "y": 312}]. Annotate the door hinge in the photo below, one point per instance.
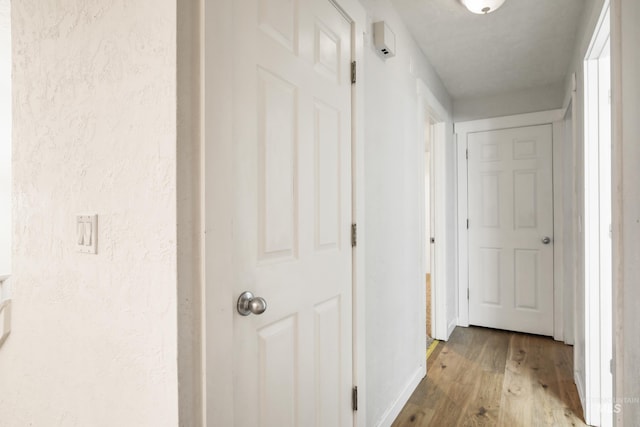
[
  {"x": 353, "y": 72},
  {"x": 354, "y": 235},
  {"x": 611, "y": 365},
  {"x": 467, "y": 223},
  {"x": 467, "y": 293},
  {"x": 467, "y": 154},
  {"x": 354, "y": 398}
]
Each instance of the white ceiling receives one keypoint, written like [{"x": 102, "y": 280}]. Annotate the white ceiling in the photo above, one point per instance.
[{"x": 524, "y": 44}]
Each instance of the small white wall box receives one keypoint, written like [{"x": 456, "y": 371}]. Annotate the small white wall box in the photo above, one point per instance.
[{"x": 384, "y": 39}]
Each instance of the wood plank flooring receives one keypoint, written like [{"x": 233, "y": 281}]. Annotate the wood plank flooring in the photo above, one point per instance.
[{"x": 488, "y": 377}]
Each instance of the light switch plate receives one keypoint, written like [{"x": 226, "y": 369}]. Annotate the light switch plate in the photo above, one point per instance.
[
  {"x": 5, "y": 320},
  {"x": 87, "y": 233}
]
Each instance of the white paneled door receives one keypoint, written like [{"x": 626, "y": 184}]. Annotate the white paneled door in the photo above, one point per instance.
[
  {"x": 511, "y": 229},
  {"x": 292, "y": 213}
]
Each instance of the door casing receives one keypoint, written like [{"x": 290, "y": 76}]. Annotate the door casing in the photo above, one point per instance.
[
  {"x": 428, "y": 105},
  {"x": 597, "y": 400}
]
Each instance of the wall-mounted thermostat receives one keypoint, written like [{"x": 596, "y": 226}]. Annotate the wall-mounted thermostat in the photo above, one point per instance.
[{"x": 384, "y": 39}]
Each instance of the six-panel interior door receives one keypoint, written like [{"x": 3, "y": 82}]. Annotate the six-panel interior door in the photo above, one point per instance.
[
  {"x": 292, "y": 162},
  {"x": 510, "y": 215}
]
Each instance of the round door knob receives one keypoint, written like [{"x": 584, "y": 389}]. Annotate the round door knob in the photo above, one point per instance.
[
  {"x": 248, "y": 303},
  {"x": 546, "y": 240}
]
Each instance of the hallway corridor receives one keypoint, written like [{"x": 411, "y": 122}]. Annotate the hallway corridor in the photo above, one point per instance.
[{"x": 487, "y": 377}]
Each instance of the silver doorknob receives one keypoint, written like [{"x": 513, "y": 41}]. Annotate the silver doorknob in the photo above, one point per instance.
[
  {"x": 546, "y": 240},
  {"x": 248, "y": 303}
]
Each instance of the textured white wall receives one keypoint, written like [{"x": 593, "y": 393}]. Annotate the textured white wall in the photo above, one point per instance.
[
  {"x": 94, "y": 339},
  {"x": 394, "y": 152},
  {"x": 5, "y": 137},
  {"x": 626, "y": 178},
  {"x": 506, "y": 104}
]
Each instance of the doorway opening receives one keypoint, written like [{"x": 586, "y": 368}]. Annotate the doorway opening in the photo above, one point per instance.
[
  {"x": 429, "y": 226},
  {"x": 432, "y": 122},
  {"x": 598, "y": 404}
]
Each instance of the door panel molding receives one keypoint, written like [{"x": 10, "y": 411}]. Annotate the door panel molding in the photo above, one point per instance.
[
  {"x": 218, "y": 199},
  {"x": 510, "y": 207}
]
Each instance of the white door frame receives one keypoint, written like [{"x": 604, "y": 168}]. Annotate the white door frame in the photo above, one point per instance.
[
  {"x": 462, "y": 129},
  {"x": 598, "y": 397},
  {"x": 428, "y": 105},
  {"x": 570, "y": 227},
  {"x": 218, "y": 301}
]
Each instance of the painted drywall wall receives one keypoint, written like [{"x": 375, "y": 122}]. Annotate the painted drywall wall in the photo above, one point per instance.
[
  {"x": 625, "y": 38},
  {"x": 393, "y": 181},
  {"x": 590, "y": 16},
  {"x": 94, "y": 339},
  {"x": 451, "y": 227},
  {"x": 5, "y": 138},
  {"x": 509, "y": 103}
]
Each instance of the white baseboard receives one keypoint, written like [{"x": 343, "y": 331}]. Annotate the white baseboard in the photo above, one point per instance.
[
  {"x": 451, "y": 327},
  {"x": 391, "y": 414}
]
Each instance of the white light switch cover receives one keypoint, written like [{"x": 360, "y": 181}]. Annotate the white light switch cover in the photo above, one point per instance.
[
  {"x": 5, "y": 320},
  {"x": 87, "y": 233}
]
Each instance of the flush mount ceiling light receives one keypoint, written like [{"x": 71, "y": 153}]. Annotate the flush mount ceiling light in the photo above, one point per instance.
[{"x": 482, "y": 7}]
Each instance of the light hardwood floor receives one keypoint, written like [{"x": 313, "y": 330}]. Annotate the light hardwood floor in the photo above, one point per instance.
[{"x": 487, "y": 377}]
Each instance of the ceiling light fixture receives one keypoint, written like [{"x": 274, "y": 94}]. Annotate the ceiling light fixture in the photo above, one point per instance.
[{"x": 482, "y": 7}]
